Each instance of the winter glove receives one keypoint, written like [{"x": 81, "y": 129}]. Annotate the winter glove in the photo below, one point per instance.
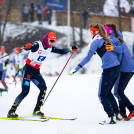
[
  {"x": 27, "y": 46},
  {"x": 72, "y": 71},
  {"x": 73, "y": 48},
  {"x": 109, "y": 47}
]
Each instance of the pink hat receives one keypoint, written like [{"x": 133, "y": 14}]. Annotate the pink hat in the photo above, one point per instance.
[
  {"x": 51, "y": 36},
  {"x": 108, "y": 30}
]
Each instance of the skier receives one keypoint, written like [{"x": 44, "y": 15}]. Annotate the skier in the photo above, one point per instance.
[
  {"x": 18, "y": 61},
  {"x": 3, "y": 66},
  {"x": 110, "y": 66},
  {"x": 31, "y": 71},
  {"x": 126, "y": 69}
]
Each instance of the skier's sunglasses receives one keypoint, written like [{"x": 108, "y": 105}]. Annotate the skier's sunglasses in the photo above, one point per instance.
[{"x": 52, "y": 41}]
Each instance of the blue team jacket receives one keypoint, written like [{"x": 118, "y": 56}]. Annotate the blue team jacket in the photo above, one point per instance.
[
  {"x": 123, "y": 53},
  {"x": 109, "y": 59}
]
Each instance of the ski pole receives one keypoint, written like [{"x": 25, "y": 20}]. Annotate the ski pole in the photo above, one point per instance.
[
  {"x": 10, "y": 54},
  {"x": 58, "y": 78}
]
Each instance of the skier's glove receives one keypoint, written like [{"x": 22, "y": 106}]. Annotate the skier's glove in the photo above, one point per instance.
[
  {"x": 27, "y": 46},
  {"x": 109, "y": 47},
  {"x": 73, "y": 48},
  {"x": 72, "y": 71}
]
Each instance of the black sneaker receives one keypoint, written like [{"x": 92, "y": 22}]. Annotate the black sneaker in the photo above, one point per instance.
[
  {"x": 109, "y": 120},
  {"x": 38, "y": 113},
  {"x": 12, "y": 114}
]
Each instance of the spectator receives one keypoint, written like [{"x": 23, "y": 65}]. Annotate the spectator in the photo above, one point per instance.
[
  {"x": 32, "y": 12},
  {"x": 85, "y": 18},
  {"x": 123, "y": 11},
  {"x": 45, "y": 13},
  {"x": 49, "y": 15},
  {"x": 26, "y": 12},
  {"x": 39, "y": 11},
  {"x": 22, "y": 13},
  {"x": 18, "y": 61}
]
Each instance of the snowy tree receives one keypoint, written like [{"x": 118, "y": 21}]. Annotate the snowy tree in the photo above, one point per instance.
[
  {"x": 110, "y": 7},
  {"x": 3, "y": 21}
]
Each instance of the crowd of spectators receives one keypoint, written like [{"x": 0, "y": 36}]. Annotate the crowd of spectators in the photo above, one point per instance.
[{"x": 29, "y": 12}]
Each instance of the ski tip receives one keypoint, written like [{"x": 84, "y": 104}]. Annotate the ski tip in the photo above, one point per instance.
[
  {"x": 44, "y": 120},
  {"x": 74, "y": 119},
  {"x": 101, "y": 123}
]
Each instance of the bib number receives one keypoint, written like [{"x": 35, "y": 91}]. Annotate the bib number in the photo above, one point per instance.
[{"x": 41, "y": 58}]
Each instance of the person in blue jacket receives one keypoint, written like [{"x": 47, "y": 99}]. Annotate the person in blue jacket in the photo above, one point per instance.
[
  {"x": 110, "y": 66},
  {"x": 31, "y": 71},
  {"x": 126, "y": 69}
]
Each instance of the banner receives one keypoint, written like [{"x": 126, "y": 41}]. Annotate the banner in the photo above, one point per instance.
[{"x": 56, "y": 4}]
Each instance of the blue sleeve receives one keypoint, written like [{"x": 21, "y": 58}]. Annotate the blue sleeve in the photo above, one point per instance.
[
  {"x": 60, "y": 51},
  {"x": 93, "y": 48},
  {"x": 13, "y": 60},
  {"x": 118, "y": 46}
]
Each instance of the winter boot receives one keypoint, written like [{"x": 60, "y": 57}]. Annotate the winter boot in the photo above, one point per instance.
[
  {"x": 37, "y": 111},
  {"x": 11, "y": 113},
  {"x": 118, "y": 117},
  {"x": 109, "y": 120}
]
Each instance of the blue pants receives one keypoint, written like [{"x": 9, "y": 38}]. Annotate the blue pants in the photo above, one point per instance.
[
  {"x": 3, "y": 74},
  {"x": 32, "y": 74},
  {"x": 120, "y": 86},
  {"x": 0, "y": 75},
  {"x": 106, "y": 97}
]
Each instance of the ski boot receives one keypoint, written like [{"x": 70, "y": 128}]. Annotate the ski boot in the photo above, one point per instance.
[
  {"x": 37, "y": 111},
  {"x": 109, "y": 120},
  {"x": 12, "y": 114}
]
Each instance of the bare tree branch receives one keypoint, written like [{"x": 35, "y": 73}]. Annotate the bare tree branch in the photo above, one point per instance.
[{"x": 2, "y": 32}]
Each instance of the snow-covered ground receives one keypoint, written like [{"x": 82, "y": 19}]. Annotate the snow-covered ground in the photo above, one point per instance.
[{"x": 72, "y": 96}]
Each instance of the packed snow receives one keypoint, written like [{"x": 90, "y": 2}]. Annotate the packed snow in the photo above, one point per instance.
[{"x": 72, "y": 96}]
